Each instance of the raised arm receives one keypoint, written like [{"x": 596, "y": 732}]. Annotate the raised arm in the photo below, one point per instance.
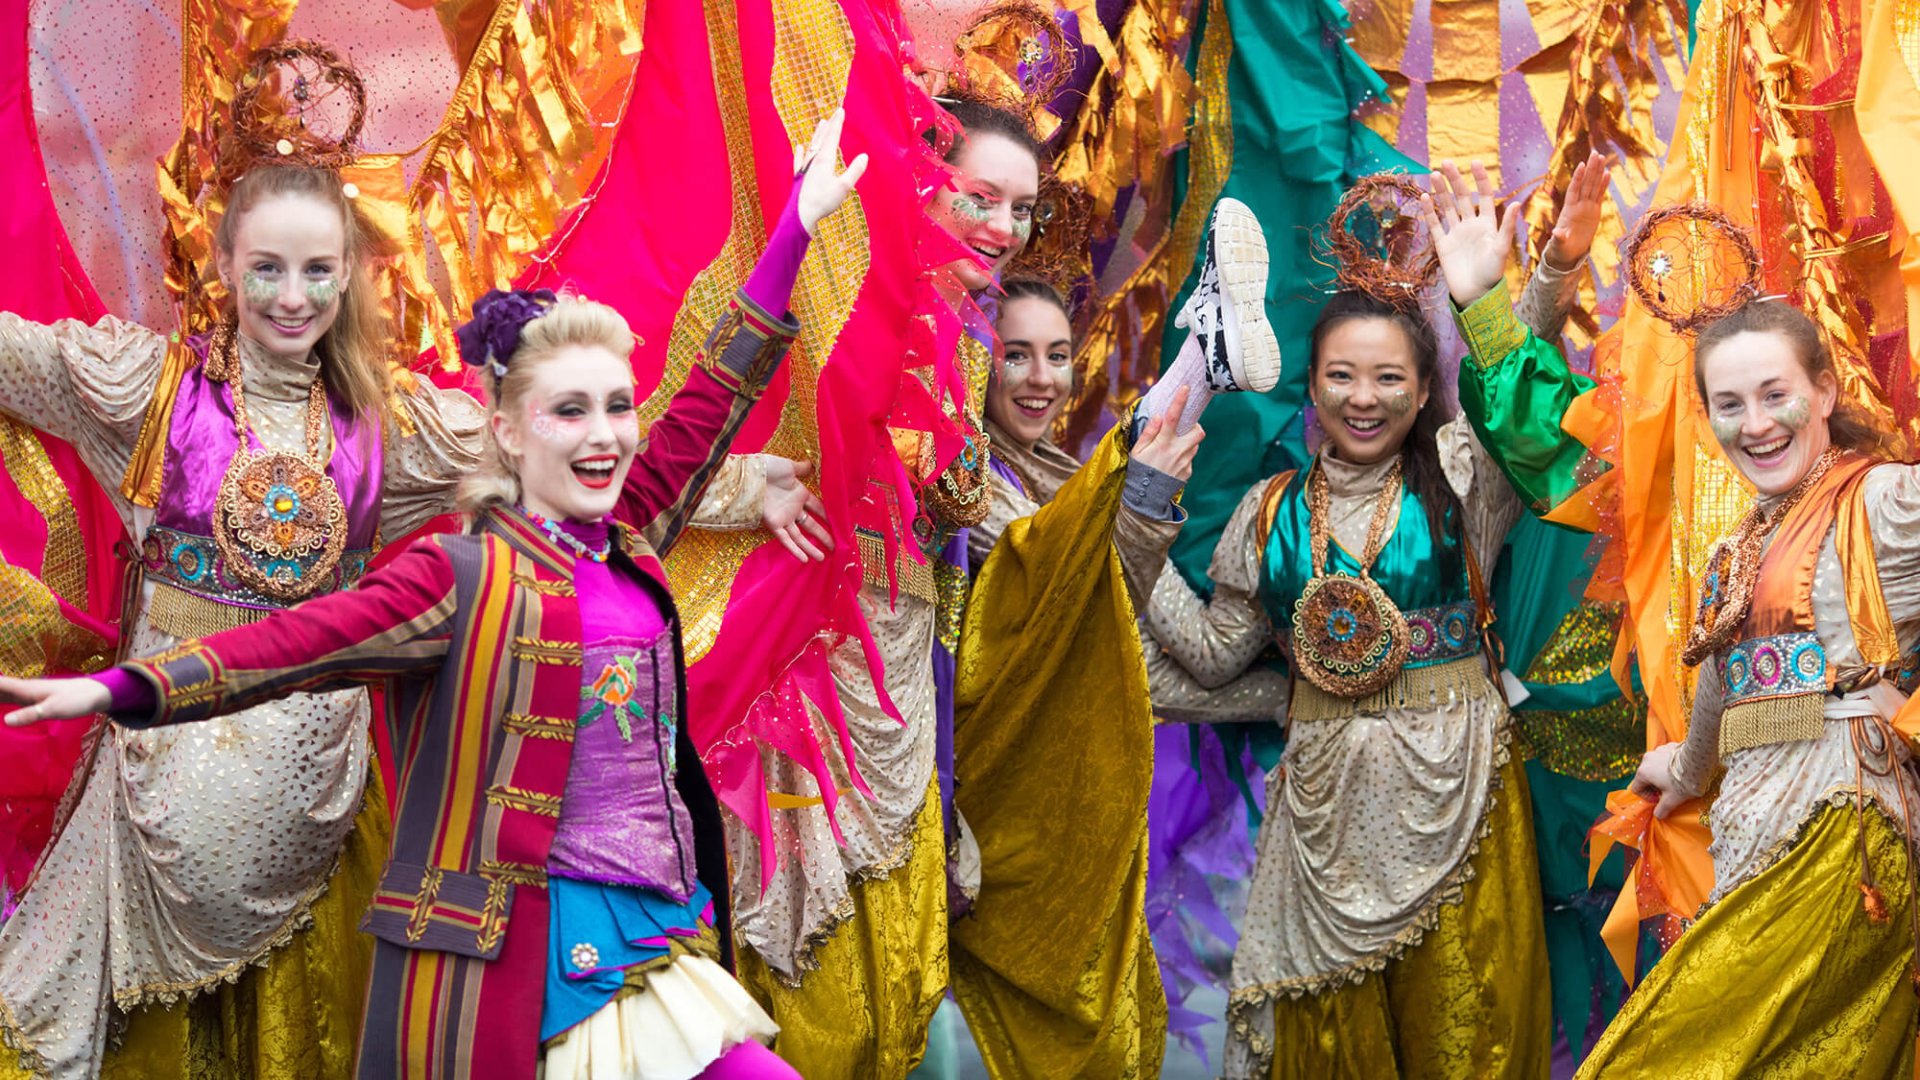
[
  {"x": 1216, "y": 640},
  {"x": 1514, "y": 386},
  {"x": 89, "y": 385},
  {"x": 686, "y": 446}
]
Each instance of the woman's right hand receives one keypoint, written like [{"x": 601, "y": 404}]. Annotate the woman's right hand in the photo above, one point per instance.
[
  {"x": 1655, "y": 778},
  {"x": 1471, "y": 237},
  {"x": 53, "y": 699}
]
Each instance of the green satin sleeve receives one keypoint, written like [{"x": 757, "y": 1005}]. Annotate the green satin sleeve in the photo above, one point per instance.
[{"x": 1514, "y": 389}]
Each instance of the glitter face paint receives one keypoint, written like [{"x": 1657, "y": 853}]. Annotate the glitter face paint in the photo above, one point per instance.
[
  {"x": 323, "y": 292},
  {"x": 1399, "y": 403},
  {"x": 969, "y": 210},
  {"x": 258, "y": 291},
  {"x": 1796, "y": 413},
  {"x": 1725, "y": 428}
]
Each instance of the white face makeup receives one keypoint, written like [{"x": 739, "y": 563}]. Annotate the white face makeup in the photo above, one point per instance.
[
  {"x": 287, "y": 270},
  {"x": 1367, "y": 389},
  {"x": 574, "y": 436},
  {"x": 1768, "y": 415},
  {"x": 992, "y": 212},
  {"x": 1035, "y": 376}
]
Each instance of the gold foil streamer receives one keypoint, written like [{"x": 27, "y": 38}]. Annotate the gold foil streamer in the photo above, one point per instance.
[
  {"x": 1601, "y": 743},
  {"x": 35, "y": 637}
]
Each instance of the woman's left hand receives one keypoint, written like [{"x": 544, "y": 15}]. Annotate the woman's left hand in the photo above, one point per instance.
[
  {"x": 1579, "y": 217},
  {"x": 793, "y": 514},
  {"x": 1161, "y": 447},
  {"x": 823, "y": 188}
]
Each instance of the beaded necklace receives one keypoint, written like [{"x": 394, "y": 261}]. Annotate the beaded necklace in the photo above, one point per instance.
[{"x": 568, "y": 540}]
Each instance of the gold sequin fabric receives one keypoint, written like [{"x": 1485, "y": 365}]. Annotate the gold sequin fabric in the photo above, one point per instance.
[
  {"x": 863, "y": 1011},
  {"x": 1784, "y": 977},
  {"x": 1469, "y": 1002}
]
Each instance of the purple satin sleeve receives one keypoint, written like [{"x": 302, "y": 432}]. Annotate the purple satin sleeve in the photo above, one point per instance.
[
  {"x": 771, "y": 283},
  {"x": 129, "y": 694}
]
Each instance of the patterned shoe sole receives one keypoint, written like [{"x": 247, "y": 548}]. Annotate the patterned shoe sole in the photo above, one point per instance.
[{"x": 1240, "y": 251}]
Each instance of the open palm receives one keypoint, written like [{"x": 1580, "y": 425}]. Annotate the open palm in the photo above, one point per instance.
[
  {"x": 823, "y": 189},
  {"x": 52, "y": 699},
  {"x": 1471, "y": 237},
  {"x": 793, "y": 513}
]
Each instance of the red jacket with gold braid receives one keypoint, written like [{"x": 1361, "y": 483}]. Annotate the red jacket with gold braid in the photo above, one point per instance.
[{"x": 477, "y": 638}]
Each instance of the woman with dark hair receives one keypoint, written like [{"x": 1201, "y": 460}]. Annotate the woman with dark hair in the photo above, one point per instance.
[
  {"x": 1802, "y": 961},
  {"x": 1393, "y": 922}
]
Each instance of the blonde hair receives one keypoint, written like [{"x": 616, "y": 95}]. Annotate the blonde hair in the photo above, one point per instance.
[
  {"x": 568, "y": 323},
  {"x": 353, "y": 351}
]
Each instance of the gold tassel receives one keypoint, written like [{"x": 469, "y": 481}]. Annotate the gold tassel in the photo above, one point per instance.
[
  {"x": 187, "y": 615},
  {"x": 1413, "y": 688},
  {"x": 1772, "y": 720}
]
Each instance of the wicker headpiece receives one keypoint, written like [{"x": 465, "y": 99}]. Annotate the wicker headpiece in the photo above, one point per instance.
[
  {"x": 299, "y": 103},
  {"x": 1691, "y": 264},
  {"x": 1377, "y": 241}
]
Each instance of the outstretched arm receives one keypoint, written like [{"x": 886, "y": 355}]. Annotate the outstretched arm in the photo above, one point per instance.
[
  {"x": 89, "y": 385},
  {"x": 1216, "y": 639},
  {"x": 399, "y": 619}
]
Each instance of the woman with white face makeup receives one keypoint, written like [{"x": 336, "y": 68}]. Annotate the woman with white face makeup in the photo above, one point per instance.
[
  {"x": 1802, "y": 961},
  {"x": 555, "y": 900},
  {"x": 1393, "y": 921}
]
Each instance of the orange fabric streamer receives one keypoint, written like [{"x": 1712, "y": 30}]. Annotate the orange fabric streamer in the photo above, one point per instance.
[{"x": 1666, "y": 879}]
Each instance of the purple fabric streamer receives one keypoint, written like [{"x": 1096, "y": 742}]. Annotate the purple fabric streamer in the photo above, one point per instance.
[{"x": 1199, "y": 858}]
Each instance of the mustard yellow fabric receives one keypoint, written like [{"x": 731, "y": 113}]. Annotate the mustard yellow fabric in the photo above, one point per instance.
[
  {"x": 1470, "y": 1001},
  {"x": 295, "y": 1018},
  {"x": 863, "y": 1013},
  {"x": 1785, "y": 976},
  {"x": 1053, "y": 756}
]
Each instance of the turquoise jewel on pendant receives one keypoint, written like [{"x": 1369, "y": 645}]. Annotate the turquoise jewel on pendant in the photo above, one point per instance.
[
  {"x": 1342, "y": 624},
  {"x": 282, "y": 503}
]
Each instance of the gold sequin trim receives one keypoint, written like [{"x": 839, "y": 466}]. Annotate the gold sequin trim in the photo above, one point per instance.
[
  {"x": 1413, "y": 688},
  {"x": 531, "y": 802},
  {"x": 1772, "y": 720},
  {"x": 538, "y": 651},
  {"x": 185, "y": 615},
  {"x": 539, "y": 727}
]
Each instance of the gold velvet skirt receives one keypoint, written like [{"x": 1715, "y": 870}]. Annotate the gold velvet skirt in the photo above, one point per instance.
[
  {"x": 1471, "y": 1001},
  {"x": 863, "y": 1013},
  {"x": 296, "y": 1017},
  {"x": 1785, "y": 976}
]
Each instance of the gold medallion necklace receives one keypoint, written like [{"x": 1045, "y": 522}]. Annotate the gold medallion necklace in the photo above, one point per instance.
[
  {"x": 278, "y": 520},
  {"x": 1349, "y": 639}
]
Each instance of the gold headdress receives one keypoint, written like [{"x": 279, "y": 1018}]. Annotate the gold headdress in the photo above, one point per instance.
[
  {"x": 1013, "y": 56},
  {"x": 1377, "y": 242},
  {"x": 1691, "y": 264}
]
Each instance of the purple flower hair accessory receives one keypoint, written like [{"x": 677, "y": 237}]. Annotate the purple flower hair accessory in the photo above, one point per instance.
[{"x": 493, "y": 333}]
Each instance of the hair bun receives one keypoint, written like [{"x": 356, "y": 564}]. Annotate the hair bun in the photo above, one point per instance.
[{"x": 491, "y": 336}]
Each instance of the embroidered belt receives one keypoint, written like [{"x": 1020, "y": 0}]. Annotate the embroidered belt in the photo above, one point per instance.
[
  {"x": 1775, "y": 691},
  {"x": 193, "y": 564},
  {"x": 1443, "y": 634}
]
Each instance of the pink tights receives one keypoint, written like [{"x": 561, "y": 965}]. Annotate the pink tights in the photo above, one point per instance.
[{"x": 749, "y": 1061}]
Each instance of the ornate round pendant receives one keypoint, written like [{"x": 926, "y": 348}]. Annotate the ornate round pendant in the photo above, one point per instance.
[
  {"x": 1348, "y": 638},
  {"x": 280, "y": 524}
]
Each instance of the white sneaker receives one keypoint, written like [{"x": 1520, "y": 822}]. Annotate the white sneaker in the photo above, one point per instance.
[{"x": 1227, "y": 309}]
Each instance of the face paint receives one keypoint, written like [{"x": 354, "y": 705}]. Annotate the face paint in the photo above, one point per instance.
[
  {"x": 1725, "y": 428},
  {"x": 1796, "y": 413},
  {"x": 258, "y": 290},
  {"x": 323, "y": 292},
  {"x": 970, "y": 209},
  {"x": 544, "y": 425},
  {"x": 1334, "y": 399},
  {"x": 1399, "y": 403},
  {"x": 1023, "y": 230}
]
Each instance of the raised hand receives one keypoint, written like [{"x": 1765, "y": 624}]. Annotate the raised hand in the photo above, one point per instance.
[
  {"x": 1579, "y": 214},
  {"x": 824, "y": 188},
  {"x": 793, "y": 514},
  {"x": 1472, "y": 238},
  {"x": 1162, "y": 447},
  {"x": 52, "y": 699}
]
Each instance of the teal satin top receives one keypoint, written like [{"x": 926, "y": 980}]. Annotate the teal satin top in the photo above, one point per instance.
[{"x": 1424, "y": 577}]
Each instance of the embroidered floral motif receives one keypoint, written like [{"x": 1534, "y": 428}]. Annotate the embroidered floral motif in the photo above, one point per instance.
[{"x": 613, "y": 694}]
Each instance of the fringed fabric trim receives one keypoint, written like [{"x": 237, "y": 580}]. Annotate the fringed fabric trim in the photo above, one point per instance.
[
  {"x": 1413, "y": 688},
  {"x": 186, "y": 615},
  {"x": 1766, "y": 721},
  {"x": 1243, "y": 1003}
]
